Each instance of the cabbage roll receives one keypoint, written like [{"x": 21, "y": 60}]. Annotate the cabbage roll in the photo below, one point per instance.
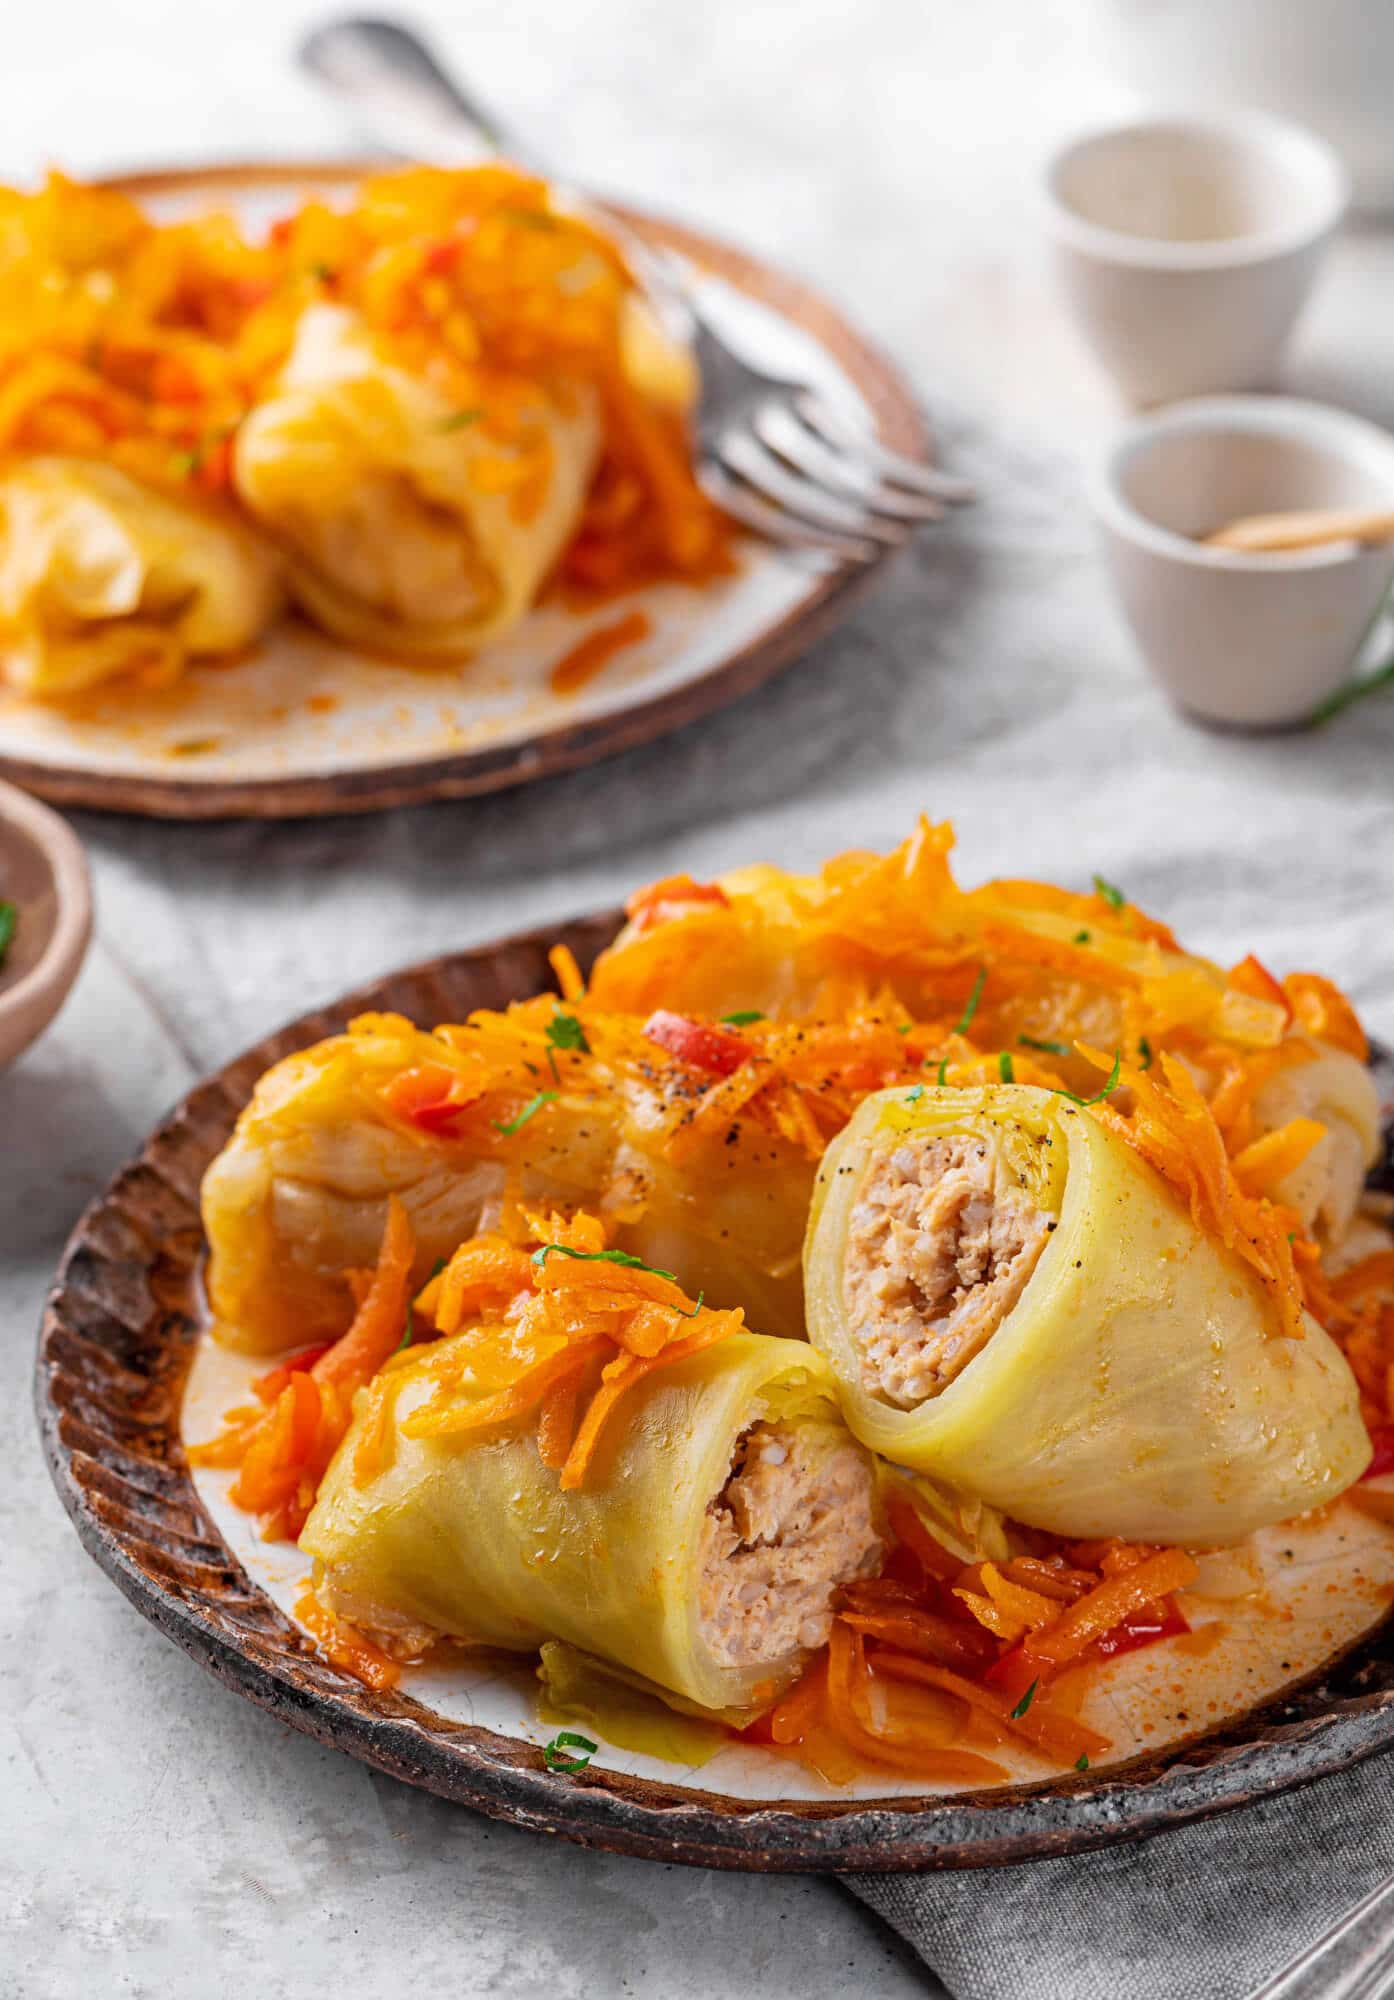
[
  {"x": 720, "y": 1515},
  {"x": 1013, "y": 1301},
  {"x": 1336, "y": 1090},
  {"x": 101, "y": 576},
  {"x": 411, "y": 525},
  {"x": 300, "y": 1191}
]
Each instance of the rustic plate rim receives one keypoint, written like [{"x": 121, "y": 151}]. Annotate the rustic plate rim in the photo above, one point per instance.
[
  {"x": 563, "y": 746},
  {"x": 1281, "y": 1745}
]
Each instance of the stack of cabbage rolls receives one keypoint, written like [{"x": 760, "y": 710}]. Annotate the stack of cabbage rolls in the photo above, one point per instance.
[
  {"x": 1031, "y": 1208},
  {"x": 404, "y": 417}
]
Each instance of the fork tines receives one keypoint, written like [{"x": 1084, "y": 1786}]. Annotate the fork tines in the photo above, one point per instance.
[{"x": 798, "y": 471}]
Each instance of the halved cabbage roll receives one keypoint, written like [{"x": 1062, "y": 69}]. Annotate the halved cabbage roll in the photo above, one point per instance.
[
  {"x": 411, "y": 525},
  {"x": 1012, "y": 1300},
  {"x": 300, "y": 1191},
  {"x": 716, "y": 1523},
  {"x": 101, "y": 576}
]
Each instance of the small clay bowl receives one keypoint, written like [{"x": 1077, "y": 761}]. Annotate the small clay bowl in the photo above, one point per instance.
[{"x": 43, "y": 872}]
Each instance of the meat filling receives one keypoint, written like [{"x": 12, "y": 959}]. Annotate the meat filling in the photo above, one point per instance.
[
  {"x": 795, "y": 1519},
  {"x": 941, "y": 1244}
]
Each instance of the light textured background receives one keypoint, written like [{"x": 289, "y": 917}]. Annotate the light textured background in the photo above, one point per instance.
[{"x": 158, "y": 1836}]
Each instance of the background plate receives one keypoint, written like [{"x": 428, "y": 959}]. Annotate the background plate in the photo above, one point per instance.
[
  {"x": 118, "y": 1336},
  {"x": 306, "y": 726}
]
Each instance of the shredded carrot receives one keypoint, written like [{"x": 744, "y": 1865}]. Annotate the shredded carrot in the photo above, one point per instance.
[
  {"x": 1111, "y": 1601},
  {"x": 1324, "y": 1011},
  {"x": 345, "y": 1647},
  {"x": 562, "y": 960},
  {"x": 1269, "y": 1159},
  {"x": 591, "y": 655}
]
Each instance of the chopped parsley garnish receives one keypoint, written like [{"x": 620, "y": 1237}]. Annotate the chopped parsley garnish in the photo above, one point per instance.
[
  {"x": 943, "y": 1077},
  {"x": 742, "y": 1018},
  {"x": 914, "y": 1096},
  {"x": 564, "y": 1031},
  {"x": 184, "y": 464},
  {"x": 623, "y": 1257},
  {"x": 1046, "y": 1048},
  {"x": 961, "y": 1026},
  {"x": 1107, "y": 1090},
  {"x": 1005, "y": 1068},
  {"x": 1025, "y": 1702},
  {"x": 1082, "y": 1761},
  {"x": 1080, "y": 937},
  {"x": 695, "y": 1310},
  {"x": 554, "y": 1754},
  {"x": 409, "y": 1329},
  {"x": 457, "y": 420},
  {"x": 533, "y": 1104},
  {"x": 905, "y": 1027},
  {"x": 324, "y": 272},
  {"x": 1144, "y": 1049},
  {"x": 1115, "y": 898},
  {"x": 9, "y": 924}
]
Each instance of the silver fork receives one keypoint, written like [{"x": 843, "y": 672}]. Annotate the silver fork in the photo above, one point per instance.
[
  {"x": 774, "y": 453},
  {"x": 1354, "y": 1961}
]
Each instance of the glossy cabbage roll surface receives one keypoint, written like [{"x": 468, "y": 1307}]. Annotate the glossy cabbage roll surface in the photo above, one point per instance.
[
  {"x": 101, "y": 576},
  {"x": 1013, "y": 1301},
  {"x": 724, "y": 1505},
  {"x": 299, "y": 1193},
  {"x": 411, "y": 525}
]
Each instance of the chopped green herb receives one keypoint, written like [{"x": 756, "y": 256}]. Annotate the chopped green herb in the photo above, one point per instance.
[
  {"x": 1144, "y": 1049},
  {"x": 409, "y": 1329},
  {"x": 1080, "y": 937},
  {"x": 1047, "y": 1048},
  {"x": 915, "y": 1095},
  {"x": 458, "y": 419},
  {"x": 533, "y": 1104},
  {"x": 1005, "y": 1068},
  {"x": 195, "y": 746},
  {"x": 324, "y": 272},
  {"x": 531, "y": 218},
  {"x": 943, "y": 1077},
  {"x": 9, "y": 923},
  {"x": 695, "y": 1310},
  {"x": 905, "y": 1027},
  {"x": 1108, "y": 1088},
  {"x": 742, "y": 1018},
  {"x": 1113, "y": 897},
  {"x": 1082, "y": 1761},
  {"x": 960, "y": 1026},
  {"x": 554, "y": 1755},
  {"x": 1025, "y": 1702},
  {"x": 601, "y": 1257},
  {"x": 564, "y": 1031},
  {"x": 184, "y": 464}
]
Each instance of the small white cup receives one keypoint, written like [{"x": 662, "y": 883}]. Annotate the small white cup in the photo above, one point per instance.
[
  {"x": 1187, "y": 245},
  {"x": 1258, "y": 641}
]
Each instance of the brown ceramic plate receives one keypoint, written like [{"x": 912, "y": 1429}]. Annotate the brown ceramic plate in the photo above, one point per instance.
[
  {"x": 305, "y": 726},
  {"x": 117, "y": 1340}
]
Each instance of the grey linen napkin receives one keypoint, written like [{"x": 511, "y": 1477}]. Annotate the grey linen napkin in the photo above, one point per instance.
[{"x": 1206, "y": 1913}]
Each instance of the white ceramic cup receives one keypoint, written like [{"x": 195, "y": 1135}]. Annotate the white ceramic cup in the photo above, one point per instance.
[
  {"x": 1253, "y": 640},
  {"x": 1187, "y": 246}
]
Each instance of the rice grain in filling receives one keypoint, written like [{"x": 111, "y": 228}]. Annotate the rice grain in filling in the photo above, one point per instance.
[
  {"x": 794, "y": 1521},
  {"x": 942, "y": 1241}
]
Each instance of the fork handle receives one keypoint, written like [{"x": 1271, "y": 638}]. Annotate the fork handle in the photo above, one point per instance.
[
  {"x": 392, "y": 80},
  {"x": 1352, "y": 1961}
]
